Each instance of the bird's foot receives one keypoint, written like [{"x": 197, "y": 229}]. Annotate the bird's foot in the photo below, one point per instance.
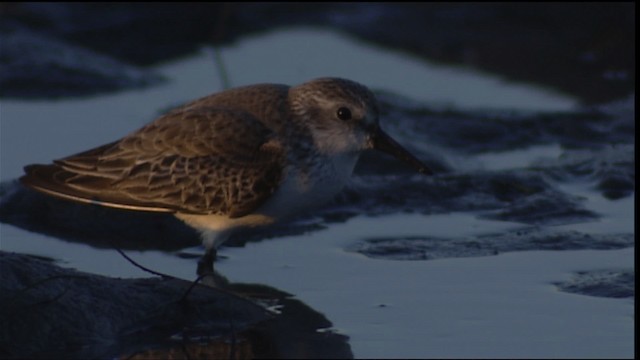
[{"x": 205, "y": 264}]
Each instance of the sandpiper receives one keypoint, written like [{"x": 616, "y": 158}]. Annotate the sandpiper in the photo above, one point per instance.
[{"x": 243, "y": 157}]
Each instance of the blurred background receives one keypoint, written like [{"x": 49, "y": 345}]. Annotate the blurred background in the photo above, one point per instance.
[{"x": 586, "y": 50}]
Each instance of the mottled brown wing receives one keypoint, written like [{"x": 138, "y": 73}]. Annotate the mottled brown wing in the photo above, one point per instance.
[{"x": 200, "y": 161}]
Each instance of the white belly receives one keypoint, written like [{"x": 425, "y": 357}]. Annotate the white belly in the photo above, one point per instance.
[{"x": 301, "y": 191}]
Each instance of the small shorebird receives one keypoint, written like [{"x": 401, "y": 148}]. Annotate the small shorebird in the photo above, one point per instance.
[{"x": 244, "y": 157}]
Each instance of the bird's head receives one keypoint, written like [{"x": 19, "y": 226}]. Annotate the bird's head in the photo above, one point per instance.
[{"x": 342, "y": 117}]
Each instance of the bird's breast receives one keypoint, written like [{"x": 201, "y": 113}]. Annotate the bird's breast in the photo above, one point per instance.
[{"x": 310, "y": 185}]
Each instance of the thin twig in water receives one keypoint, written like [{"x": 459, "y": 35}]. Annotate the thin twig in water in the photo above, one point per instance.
[
  {"x": 232, "y": 349},
  {"x": 165, "y": 276},
  {"x": 217, "y": 37},
  {"x": 140, "y": 266},
  {"x": 193, "y": 284},
  {"x": 185, "y": 351},
  {"x": 222, "y": 69}
]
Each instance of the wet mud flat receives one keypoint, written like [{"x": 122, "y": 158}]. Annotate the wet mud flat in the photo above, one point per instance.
[
  {"x": 531, "y": 195},
  {"x": 546, "y": 195}
]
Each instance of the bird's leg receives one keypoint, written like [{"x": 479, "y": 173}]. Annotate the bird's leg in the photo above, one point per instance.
[{"x": 205, "y": 264}]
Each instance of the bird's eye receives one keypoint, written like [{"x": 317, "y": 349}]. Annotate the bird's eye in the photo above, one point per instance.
[{"x": 344, "y": 113}]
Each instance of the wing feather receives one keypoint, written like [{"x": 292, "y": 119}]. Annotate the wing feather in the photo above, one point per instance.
[{"x": 200, "y": 160}]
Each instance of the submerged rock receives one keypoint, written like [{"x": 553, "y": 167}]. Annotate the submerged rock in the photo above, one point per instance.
[
  {"x": 613, "y": 283},
  {"x": 95, "y": 316},
  {"x": 528, "y": 238},
  {"x": 47, "y": 311},
  {"x": 611, "y": 168}
]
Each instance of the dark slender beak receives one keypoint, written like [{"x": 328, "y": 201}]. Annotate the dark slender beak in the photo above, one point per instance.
[{"x": 383, "y": 142}]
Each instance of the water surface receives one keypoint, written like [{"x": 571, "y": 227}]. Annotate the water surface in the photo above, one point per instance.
[{"x": 500, "y": 305}]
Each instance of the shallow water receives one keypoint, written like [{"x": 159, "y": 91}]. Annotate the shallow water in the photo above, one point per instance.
[{"x": 499, "y": 303}]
